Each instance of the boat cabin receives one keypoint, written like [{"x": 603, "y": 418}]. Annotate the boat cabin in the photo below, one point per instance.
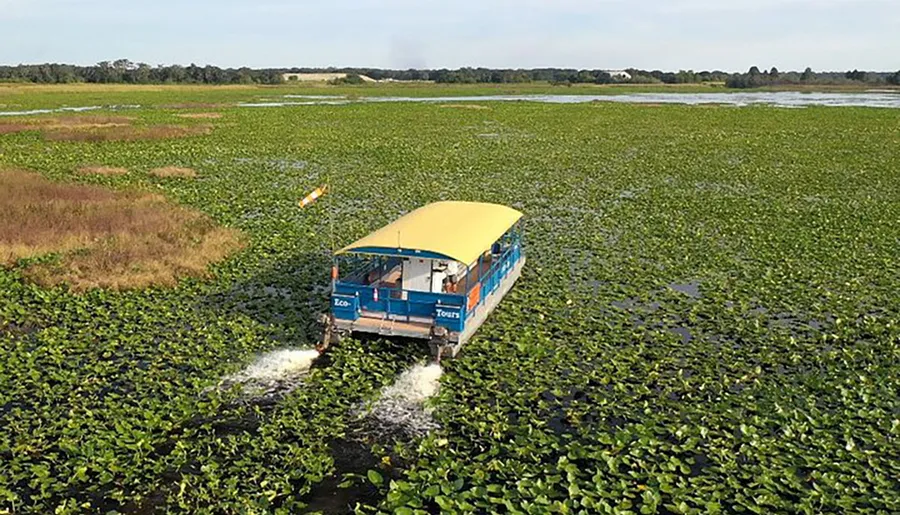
[{"x": 435, "y": 273}]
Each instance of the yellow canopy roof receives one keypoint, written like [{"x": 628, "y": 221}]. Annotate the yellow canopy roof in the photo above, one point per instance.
[{"x": 458, "y": 230}]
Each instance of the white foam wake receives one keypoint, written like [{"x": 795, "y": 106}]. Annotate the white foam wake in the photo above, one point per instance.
[
  {"x": 273, "y": 373},
  {"x": 401, "y": 406}
]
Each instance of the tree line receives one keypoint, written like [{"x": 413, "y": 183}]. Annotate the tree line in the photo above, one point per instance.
[
  {"x": 754, "y": 78},
  {"x": 123, "y": 71},
  {"x": 127, "y": 72}
]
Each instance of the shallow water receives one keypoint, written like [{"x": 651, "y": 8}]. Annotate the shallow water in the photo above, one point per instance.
[
  {"x": 786, "y": 99},
  {"x": 316, "y": 97},
  {"x": 66, "y": 110},
  {"x": 287, "y": 104},
  {"x": 691, "y": 289}
]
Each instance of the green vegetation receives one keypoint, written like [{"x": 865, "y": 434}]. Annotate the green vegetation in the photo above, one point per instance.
[{"x": 707, "y": 321}]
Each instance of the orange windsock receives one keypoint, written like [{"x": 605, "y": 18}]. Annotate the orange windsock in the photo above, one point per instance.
[{"x": 309, "y": 199}]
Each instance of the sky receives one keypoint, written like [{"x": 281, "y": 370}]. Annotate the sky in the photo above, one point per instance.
[{"x": 730, "y": 35}]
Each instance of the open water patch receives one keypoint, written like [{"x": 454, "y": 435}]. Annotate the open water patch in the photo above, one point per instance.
[
  {"x": 397, "y": 415},
  {"x": 785, "y": 99},
  {"x": 316, "y": 97},
  {"x": 340, "y": 492},
  {"x": 691, "y": 289},
  {"x": 290, "y": 103},
  {"x": 67, "y": 110}
]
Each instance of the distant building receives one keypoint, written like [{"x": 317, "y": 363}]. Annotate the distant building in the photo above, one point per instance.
[
  {"x": 319, "y": 77},
  {"x": 619, "y": 74}
]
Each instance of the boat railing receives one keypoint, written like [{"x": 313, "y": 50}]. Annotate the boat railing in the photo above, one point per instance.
[
  {"x": 491, "y": 280},
  {"x": 353, "y": 298},
  {"x": 445, "y": 309},
  {"x": 361, "y": 274}
]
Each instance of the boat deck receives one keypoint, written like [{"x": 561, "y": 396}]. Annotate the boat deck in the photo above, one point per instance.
[
  {"x": 392, "y": 278},
  {"x": 382, "y": 323},
  {"x": 378, "y": 323}
]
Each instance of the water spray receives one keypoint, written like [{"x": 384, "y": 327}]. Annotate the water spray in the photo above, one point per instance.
[
  {"x": 274, "y": 373},
  {"x": 401, "y": 407}
]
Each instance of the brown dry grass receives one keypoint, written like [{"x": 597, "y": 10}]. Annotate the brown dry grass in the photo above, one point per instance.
[
  {"x": 10, "y": 127},
  {"x": 64, "y": 122},
  {"x": 102, "y": 170},
  {"x": 86, "y": 121},
  {"x": 104, "y": 238},
  {"x": 99, "y": 128},
  {"x": 125, "y": 133},
  {"x": 173, "y": 171},
  {"x": 466, "y": 106},
  {"x": 207, "y": 116},
  {"x": 193, "y": 105}
]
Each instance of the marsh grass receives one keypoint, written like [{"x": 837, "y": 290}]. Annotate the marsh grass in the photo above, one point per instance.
[
  {"x": 10, "y": 128},
  {"x": 201, "y": 116},
  {"x": 104, "y": 238},
  {"x": 125, "y": 133},
  {"x": 477, "y": 107},
  {"x": 68, "y": 123},
  {"x": 102, "y": 170},
  {"x": 99, "y": 128},
  {"x": 173, "y": 171}
]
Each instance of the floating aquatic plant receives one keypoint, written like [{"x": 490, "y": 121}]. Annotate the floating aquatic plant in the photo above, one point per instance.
[{"x": 767, "y": 236}]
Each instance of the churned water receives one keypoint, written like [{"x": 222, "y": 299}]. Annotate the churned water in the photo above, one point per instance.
[
  {"x": 401, "y": 406},
  {"x": 273, "y": 373}
]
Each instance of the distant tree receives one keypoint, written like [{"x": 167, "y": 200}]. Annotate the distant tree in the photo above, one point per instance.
[
  {"x": 175, "y": 73},
  {"x": 685, "y": 77},
  {"x": 584, "y": 76},
  {"x": 712, "y": 76},
  {"x": 807, "y": 75},
  {"x": 856, "y": 75},
  {"x": 643, "y": 78},
  {"x": 513, "y": 76},
  {"x": 602, "y": 77},
  {"x": 738, "y": 81},
  {"x": 123, "y": 64},
  {"x": 668, "y": 77},
  {"x": 271, "y": 77},
  {"x": 773, "y": 73},
  {"x": 244, "y": 76},
  {"x": 108, "y": 73},
  {"x": 194, "y": 73},
  {"x": 351, "y": 78},
  {"x": 142, "y": 74},
  {"x": 894, "y": 79},
  {"x": 754, "y": 71}
]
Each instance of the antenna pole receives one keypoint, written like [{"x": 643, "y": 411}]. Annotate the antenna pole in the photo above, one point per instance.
[{"x": 334, "y": 267}]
